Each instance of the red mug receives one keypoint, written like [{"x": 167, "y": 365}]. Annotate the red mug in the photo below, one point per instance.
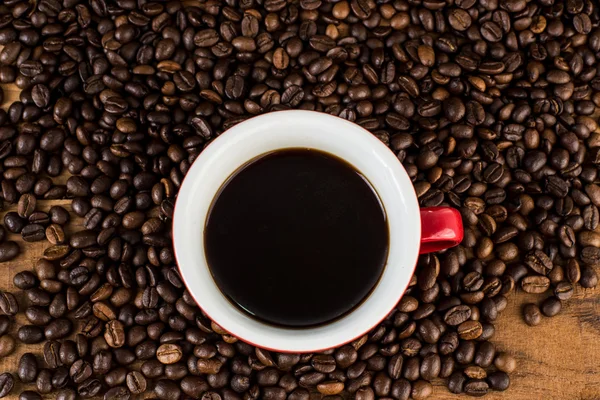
[{"x": 412, "y": 231}]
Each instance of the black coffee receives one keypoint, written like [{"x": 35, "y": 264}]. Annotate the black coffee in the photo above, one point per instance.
[{"x": 296, "y": 237}]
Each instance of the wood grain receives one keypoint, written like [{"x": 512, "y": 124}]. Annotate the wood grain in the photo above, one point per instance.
[{"x": 558, "y": 360}]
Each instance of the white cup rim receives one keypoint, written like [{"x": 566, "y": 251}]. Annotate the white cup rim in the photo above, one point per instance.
[{"x": 294, "y": 129}]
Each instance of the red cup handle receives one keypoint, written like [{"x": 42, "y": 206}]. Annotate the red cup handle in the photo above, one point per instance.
[{"x": 441, "y": 228}]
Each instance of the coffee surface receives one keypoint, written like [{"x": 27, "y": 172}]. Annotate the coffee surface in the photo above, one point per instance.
[{"x": 296, "y": 238}]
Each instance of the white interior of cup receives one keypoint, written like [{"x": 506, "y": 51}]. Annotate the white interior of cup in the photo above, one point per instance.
[{"x": 304, "y": 129}]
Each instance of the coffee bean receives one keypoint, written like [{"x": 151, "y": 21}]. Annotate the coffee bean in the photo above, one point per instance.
[
  {"x": 8, "y": 251},
  {"x": 26, "y": 205},
  {"x": 28, "y": 368},
  {"x": 475, "y": 372},
  {"x": 55, "y": 234},
  {"x": 25, "y": 280},
  {"x": 117, "y": 393},
  {"x": 589, "y": 277},
  {"x": 29, "y": 395},
  {"x": 457, "y": 315},
  {"x": 66, "y": 394},
  {"x": 470, "y": 330},
  {"x": 459, "y": 19},
  {"x": 7, "y": 383},
  {"x": 80, "y": 371},
  {"x": 60, "y": 377},
  {"x": 456, "y": 382},
  {"x": 330, "y": 388},
  {"x": 13, "y": 222},
  {"x": 136, "y": 383},
  {"x": 165, "y": 389},
  {"x": 421, "y": 390},
  {"x": 30, "y": 334},
  {"x": 430, "y": 367},
  {"x": 429, "y": 332},
  {"x": 476, "y": 387},
  {"x": 210, "y": 366},
  {"x": 539, "y": 262},
  {"x": 465, "y": 352},
  {"x": 535, "y": 284},
  {"x": 8, "y": 303},
  {"x": 52, "y": 354},
  {"x": 58, "y": 215},
  {"x": 43, "y": 382},
  {"x": 551, "y": 306},
  {"x": 168, "y": 353},
  {"x": 505, "y": 362},
  {"x": 532, "y": 314},
  {"x": 56, "y": 252},
  {"x": 33, "y": 233},
  {"x": 114, "y": 333},
  {"x": 89, "y": 388}
]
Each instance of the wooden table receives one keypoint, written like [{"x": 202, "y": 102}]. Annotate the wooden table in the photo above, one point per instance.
[{"x": 558, "y": 360}]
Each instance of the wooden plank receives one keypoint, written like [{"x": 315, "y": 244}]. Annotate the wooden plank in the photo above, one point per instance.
[{"x": 558, "y": 360}]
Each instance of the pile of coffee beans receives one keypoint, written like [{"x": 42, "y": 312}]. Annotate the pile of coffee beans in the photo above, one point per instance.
[{"x": 489, "y": 104}]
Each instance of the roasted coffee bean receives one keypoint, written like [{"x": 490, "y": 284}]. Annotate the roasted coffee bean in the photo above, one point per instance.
[
  {"x": 8, "y": 304},
  {"x": 505, "y": 362},
  {"x": 476, "y": 387},
  {"x": 13, "y": 222},
  {"x": 456, "y": 382},
  {"x": 136, "y": 383},
  {"x": 89, "y": 388},
  {"x": 116, "y": 376},
  {"x": 55, "y": 234},
  {"x": 66, "y": 394},
  {"x": 52, "y": 354},
  {"x": 535, "y": 284},
  {"x": 457, "y": 315},
  {"x": 33, "y": 233},
  {"x": 485, "y": 354},
  {"x": 589, "y": 277},
  {"x": 114, "y": 333},
  {"x": 165, "y": 389},
  {"x": 465, "y": 352},
  {"x": 58, "y": 329},
  {"x": 168, "y": 353},
  {"x": 117, "y": 393},
  {"x": 28, "y": 368},
  {"x": 60, "y": 377},
  {"x": 8, "y": 251},
  {"x": 58, "y": 215},
  {"x": 80, "y": 371},
  {"x": 43, "y": 382},
  {"x": 7, "y": 383},
  {"x": 532, "y": 314},
  {"x": 25, "y": 280},
  {"x": 29, "y": 395},
  {"x": 498, "y": 380},
  {"x": 56, "y": 252},
  {"x": 421, "y": 390},
  {"x": 470, "y": 330},
  {"x": 551, "y": 306},
  {"x": 26, "y": 205},
  {"x": 7, "y": 345},
  {"x": 539, "y": 262}
]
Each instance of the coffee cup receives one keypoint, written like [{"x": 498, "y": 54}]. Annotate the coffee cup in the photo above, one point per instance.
[{"x": 412, "y": 230}]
